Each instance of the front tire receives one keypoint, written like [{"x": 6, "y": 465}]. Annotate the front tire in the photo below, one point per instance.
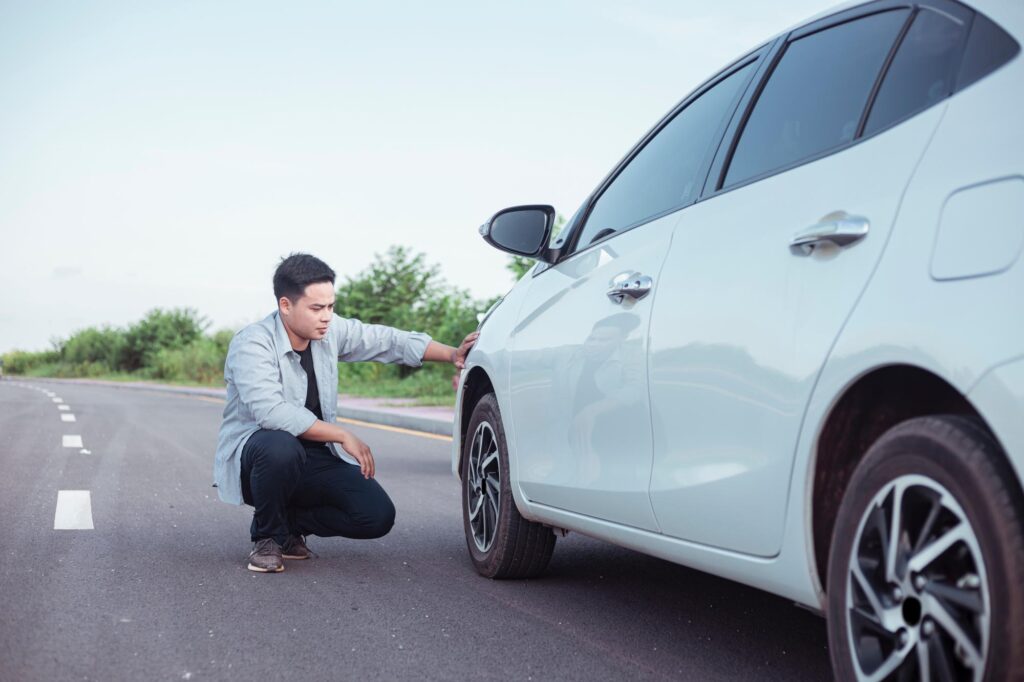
[
  {"x": 502, "y": 544},
  {"x": 924, "y": 578}
]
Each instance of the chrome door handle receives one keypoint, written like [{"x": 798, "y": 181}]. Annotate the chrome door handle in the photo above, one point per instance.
[
  {"x": 630, "y": 285},
  {"x": 839, "y": 229}
]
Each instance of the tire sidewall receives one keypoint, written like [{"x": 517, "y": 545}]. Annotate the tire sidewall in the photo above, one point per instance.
[
  {"x": 915, "y": 448},
  {"x": 488, "y": 563}
]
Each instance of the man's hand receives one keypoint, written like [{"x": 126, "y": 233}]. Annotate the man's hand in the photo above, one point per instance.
[
  {"x": 359, "y": 450},
  {"x": 459, "y": 356}
]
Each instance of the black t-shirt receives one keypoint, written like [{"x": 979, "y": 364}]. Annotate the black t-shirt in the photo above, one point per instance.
[{"x": 312, "y": 391}]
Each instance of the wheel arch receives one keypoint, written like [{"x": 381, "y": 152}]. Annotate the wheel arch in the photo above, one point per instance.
[
  {"x": 476, "y": 385},
  {"x": 870, "y": 406}
]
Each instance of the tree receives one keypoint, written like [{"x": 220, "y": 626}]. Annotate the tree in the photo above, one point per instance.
[{"x": 160, "y": 329}]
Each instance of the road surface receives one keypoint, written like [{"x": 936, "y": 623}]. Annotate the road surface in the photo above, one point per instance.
[{"x": 157, "y": 589}]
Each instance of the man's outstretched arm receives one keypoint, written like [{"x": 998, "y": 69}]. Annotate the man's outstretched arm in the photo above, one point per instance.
[{"x": 439, "y": 352}]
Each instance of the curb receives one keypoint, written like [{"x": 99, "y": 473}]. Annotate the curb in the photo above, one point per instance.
[{"x": 385, "y": 417}]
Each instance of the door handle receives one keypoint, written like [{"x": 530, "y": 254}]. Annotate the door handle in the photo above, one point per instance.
[
  {"x": 630, "y": 285},
  {"x": 840, "y": 229}
]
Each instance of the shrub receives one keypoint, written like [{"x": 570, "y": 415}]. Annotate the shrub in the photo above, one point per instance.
[
  {"x": 102, "y": 346},
  {"x": 158, "y": 331},
  {"x": 201, "y": 361},
  {"x": 23, "y": 362}
]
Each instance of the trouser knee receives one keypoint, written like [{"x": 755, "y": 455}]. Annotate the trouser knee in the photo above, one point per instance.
[{"x": 383, "y": 520}]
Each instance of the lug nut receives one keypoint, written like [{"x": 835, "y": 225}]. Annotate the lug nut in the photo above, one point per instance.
[
  {"x": 919, "y": 582},
  {"x": 928, "y": 627},
  {"x": 897, "y": 594},
  {"x": 904, "y": 638}
]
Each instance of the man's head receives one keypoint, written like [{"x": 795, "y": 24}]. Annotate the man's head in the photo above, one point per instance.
[{"x": 304, "y": 288}]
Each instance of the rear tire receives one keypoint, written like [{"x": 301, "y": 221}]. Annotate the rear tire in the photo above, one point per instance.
[
  {"x": 924, "y": 577},
  {"x": 502, "y": 544}
]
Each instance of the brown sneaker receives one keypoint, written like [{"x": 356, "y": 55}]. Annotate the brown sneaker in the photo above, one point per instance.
[
  {"x": 266, "y": 557},
  {"x": 295, "y": 548}
]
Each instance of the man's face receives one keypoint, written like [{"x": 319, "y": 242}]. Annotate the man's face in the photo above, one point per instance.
[{"x": 309, "y": 317}]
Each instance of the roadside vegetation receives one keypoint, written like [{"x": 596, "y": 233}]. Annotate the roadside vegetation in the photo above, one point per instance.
[{"x": 399, "y": 288}]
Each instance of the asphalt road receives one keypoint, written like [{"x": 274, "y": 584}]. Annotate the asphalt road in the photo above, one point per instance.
[{"x": 158, "y": 589}]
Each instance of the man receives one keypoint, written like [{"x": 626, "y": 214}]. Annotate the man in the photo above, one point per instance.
[{"x": 278, "y": 444}]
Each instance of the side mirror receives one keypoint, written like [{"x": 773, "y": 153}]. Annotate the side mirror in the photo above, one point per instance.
[{"x": 520, "y": 230}]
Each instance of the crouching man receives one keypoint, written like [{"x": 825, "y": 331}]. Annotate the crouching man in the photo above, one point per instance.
[{"x": 278, "y": 448}]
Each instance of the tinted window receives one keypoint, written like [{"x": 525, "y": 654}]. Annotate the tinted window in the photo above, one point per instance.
[
  {"x": 922, "y": 72},
  {"x": 666, "y": 173},
  {"x": 988, "y": 48},
  {"x": 814, "y": 98}
]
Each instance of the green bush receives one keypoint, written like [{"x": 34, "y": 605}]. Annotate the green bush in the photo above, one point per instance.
[
  {"x": 23, "y": 362},
  {"x": 102, "y": 346},
  {"x": 200, "y": 362},
  {"x": 159, "y": 330}
]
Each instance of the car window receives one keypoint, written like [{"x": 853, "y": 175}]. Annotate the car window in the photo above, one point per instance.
[
  {"x": 666, "y": 173},
  {"x": 988, "y": 48},
  {"x": 814, "y": 98},
  {"x": 923, "y": 71}
]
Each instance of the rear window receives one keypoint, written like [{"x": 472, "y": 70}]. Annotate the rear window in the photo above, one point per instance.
[
  {"x": 923, "y": 72},
  {"x": 815, "y": 97}
]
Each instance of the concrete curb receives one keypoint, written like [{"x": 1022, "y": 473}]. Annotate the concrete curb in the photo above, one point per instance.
[{"x": 397, "y": 417}]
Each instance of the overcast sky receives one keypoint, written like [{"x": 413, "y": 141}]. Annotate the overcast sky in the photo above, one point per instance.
[{"x": 167, "y": 154}]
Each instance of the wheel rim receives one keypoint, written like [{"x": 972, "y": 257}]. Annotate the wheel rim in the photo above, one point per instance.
[
  {"x": 917, "y": 598},
  {"x": 483, "y": 489}
]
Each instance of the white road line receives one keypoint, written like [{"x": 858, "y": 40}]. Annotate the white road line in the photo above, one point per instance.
[
  {"x": 72, "y": 442},
  {"x": 63, "y": 408},
  {"x": 58, "y": 400},
  {"x": 74, "y": 510},
  {"x": 67, "y": 417}
]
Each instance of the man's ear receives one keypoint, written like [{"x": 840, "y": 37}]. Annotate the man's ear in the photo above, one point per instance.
[{"x": 284, "y": 305}]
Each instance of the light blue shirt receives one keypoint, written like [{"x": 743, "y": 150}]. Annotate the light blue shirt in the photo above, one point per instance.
[{"x": 266, "y": 385}]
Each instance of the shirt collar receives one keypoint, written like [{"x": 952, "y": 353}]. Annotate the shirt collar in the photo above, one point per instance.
[{"x": 284, "y": 344}]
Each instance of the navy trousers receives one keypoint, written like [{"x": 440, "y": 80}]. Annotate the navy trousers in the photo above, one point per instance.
[{"x": 299, "y": 488}]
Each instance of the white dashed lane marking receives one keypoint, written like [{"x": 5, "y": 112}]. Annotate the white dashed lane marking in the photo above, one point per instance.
[
  {"x": 58, "y": 400},
  {"x": 72, "y": 442},
  {"x": 67, "y": 417},
  {"x": 74, "y": 510},
  {"x": 63, "y": 408}
]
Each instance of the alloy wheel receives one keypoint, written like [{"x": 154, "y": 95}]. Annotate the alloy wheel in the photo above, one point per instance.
[
  {"x": 483, "y": 490},
  {"x": 917, "y": 600}
]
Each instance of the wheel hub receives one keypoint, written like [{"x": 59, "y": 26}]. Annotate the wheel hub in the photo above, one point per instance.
[
  {"x": 483, "y": 489},
  {"x": 917, "y": 602}
]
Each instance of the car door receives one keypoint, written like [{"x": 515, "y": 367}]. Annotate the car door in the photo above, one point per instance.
[
  {"x": 578, "y": 391},
  {"x": 765, "y": 270}
]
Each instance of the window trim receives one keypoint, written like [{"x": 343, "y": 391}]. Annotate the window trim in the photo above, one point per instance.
[
  {"x": 825, "y": 24},
  {"x": 751, "y": 58},
  {"x": 942, "y": 6}
]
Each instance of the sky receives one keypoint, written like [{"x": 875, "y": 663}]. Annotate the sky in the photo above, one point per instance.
[{"x": 168, "y": 154}]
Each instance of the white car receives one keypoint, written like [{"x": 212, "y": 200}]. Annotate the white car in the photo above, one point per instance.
[{"x": 783, "y": 342}]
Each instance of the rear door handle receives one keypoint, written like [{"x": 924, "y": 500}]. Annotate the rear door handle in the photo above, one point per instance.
[
  {"x": 630, "y": 285},
  {"x": 840, "y": 229}
]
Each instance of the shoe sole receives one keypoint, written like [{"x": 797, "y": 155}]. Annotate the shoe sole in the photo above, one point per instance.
[
  {"x": 257, "y": 569},
  {"x": 296, "y": 558}
]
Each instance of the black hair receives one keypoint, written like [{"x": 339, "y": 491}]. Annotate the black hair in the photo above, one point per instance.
[{"x": 298, "y": 271}]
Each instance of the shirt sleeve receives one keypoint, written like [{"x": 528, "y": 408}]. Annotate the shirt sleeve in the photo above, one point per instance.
[
  {"x": 360, "y": 342},
  {"x": 258, "y": 380}
]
